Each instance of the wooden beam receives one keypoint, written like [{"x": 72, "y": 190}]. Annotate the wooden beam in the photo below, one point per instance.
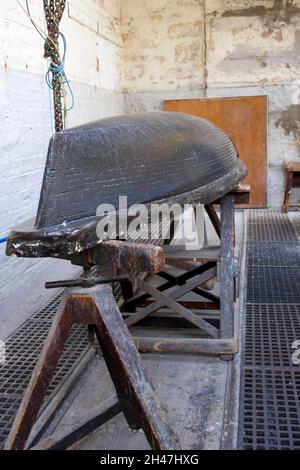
[
  {"x": 212, "y": 347},
  {"x": 241, "y": 194},
  {"x": 132, "y": 256}
]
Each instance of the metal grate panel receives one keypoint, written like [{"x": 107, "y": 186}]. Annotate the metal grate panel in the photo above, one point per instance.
[
  {"x": 267, "y": 284},
  {"x": 271, "y": 331},
  {"x": 270, "y": 383},
  {"x": 270, "y": 226},
  {"x": 273, "y": 254},
  {"x": 271, "y": 414},
  {"x": 268, "y": 216},
  {"x": 271, "y": 233},
  {"x": 22, "y": 351}
]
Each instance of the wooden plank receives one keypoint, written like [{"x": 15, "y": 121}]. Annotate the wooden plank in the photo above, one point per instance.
[
  {"x": 205, "y": 346},
  {"x": 136, "y": 257},
  {"x": 244, "y": 119},
  {"x": 191, "y": 305},
  {"x": 207, "y": 253},
  {"x": 241, "y": 195}
]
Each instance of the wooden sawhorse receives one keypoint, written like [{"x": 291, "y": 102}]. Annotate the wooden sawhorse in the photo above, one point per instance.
[{"x": 93, "y": 304}]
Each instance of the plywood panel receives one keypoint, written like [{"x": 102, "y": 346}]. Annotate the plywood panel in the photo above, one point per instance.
[{"x": 244, "y": 119}]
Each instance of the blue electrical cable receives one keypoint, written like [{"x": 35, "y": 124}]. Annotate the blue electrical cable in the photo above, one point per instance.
[{"x": 59, "y": 70}]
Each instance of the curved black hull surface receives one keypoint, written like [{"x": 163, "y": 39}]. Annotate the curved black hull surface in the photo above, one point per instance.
[{"x": 149, "y": 157}]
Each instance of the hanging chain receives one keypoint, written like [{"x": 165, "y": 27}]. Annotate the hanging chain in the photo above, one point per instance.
[{"x": 54, "y": 10}]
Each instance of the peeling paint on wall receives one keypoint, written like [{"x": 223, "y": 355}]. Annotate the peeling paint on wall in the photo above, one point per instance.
[
  {"x": 168, "y": 35},
  {"x": 250, "y": 47},
  {"x": 290, "y": 121},
  {"x": 281, "y": 10}
]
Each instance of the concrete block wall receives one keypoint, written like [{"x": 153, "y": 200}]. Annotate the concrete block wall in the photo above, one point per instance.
[
  {"x": 178, "y": 49},
  {"x": 94, "y": 56}
]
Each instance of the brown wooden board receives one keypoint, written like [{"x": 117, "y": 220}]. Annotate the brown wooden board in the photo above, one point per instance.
[{"x": 244, "y": 119}]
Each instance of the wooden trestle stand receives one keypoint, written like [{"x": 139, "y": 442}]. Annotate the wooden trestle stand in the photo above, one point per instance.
[{"x": 90, "y": 301}]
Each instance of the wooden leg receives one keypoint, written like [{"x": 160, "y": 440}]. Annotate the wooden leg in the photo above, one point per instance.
[
  {"x": 288, "y": 190},
  {"x": 41, "y": 378},
  {"x": 227, "y": 269},
  {"x": 136, "y": 394},
  {"x": 213, "y": 218},
  {"x": 127, "y": 290}
]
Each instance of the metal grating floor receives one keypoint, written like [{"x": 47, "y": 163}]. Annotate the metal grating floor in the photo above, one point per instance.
[
  {"x": 270, "y": 226},
  {"x": 271, "y": 409},
  {"x": 22, "y": 350},
  {"x": 271, "y": 330},
  {"x": 274, "y": 254},
  {"x": 270, "y": 383},
  {"x": 267, "y": 284}
]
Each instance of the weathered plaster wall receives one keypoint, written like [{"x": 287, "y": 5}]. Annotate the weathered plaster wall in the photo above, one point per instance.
[
  {"x": 253, "y": 48},
  {"x": 163, "y": 51},
  {"x": 231, "y": 48},
  {"x": 93, "y": 65}
]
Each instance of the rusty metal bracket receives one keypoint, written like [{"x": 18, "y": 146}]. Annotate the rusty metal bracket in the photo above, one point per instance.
[{"x": 86, "y": 282}]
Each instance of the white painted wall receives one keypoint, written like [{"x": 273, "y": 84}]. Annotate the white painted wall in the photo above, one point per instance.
[{"x": 94, "y": 55}]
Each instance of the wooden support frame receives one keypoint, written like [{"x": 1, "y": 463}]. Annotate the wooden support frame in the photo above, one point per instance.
[
  {"x": 96, "y": 306},
  {"x": 220, "y": 341}
]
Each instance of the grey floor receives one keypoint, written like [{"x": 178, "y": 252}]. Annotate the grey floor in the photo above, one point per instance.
[{"x": 191, "y": 392}]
